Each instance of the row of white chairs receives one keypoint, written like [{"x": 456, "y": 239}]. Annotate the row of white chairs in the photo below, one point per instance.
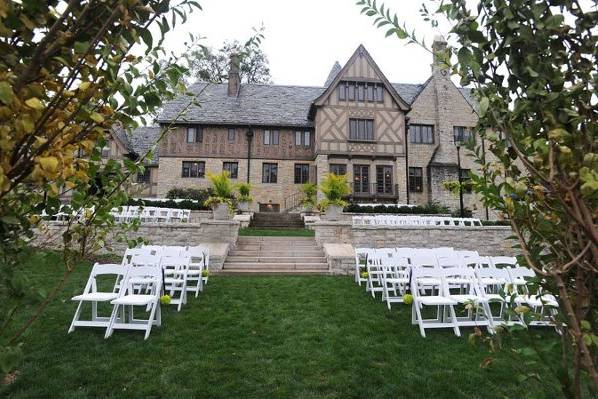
[
  {"x": 409, "y": 220},
  {"x": 123, "y": 214},
  {"x": 143, "y": 276},
  {"x": 150, "y": 214},
  {"x": 444, "y": 278}
]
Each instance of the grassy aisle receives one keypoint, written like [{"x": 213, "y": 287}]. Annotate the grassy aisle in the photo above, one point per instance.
[{"x": 262, "y": 337}]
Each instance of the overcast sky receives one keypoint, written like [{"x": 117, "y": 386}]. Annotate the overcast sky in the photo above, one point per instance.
[{"x": 305, "y": 38}]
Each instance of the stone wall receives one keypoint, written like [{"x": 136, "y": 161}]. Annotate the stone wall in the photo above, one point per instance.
[
  {"x": 220, "y": 235},
  {"x": 487, "y": 240}
]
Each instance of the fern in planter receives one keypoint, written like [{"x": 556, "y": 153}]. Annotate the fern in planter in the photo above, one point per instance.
[
  {"x": 222, "y": 190},
  {"x": 335, "y": 189}
]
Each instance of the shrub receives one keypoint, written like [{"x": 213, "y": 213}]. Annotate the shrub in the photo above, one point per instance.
[
  {"x": 432, "y": 208},
  {"x": 467, "y": 213},
  {"x": 310, "y": 190},
  {"x": 244, "y": 190},
  {"x": 335, "y": 188}
]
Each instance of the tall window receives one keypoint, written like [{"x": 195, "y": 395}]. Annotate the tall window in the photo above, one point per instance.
[
  {"x": 361, "y": 129},
  {"x": 194, "y": 134},
  {"x": 338, "y": 169},
  {"x": 360, "y": 91},
  {"x": 466, "y": 180},
  {"x": 462, "y": 134},
  {"x": 421, "y": 134},
  {"x": 301, "y": 173},
  {"x": 231, "y": 135},
  {"x": 194, "y": 169},
  {"x": 302, "y": 138},
  {"x": 416, "y": 180},
  {"x": 271, "y": 137},
  {"x": 232, "y": 168},
  {"x": 145, "y": 176},
  {"x": 269, "y": 172}
]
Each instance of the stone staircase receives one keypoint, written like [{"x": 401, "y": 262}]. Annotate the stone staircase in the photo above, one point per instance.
[
  {"x": 275, "y": 220},
  {"x": 275, "y": 255}
]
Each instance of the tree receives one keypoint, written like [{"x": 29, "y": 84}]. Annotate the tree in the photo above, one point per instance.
[
  {"x": 533, "y": 66},
  {"x": 211, "y": 65},
  {"x": 69, "y": 74}
]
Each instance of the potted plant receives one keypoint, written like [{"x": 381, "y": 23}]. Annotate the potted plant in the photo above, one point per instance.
[
  {"x": 335, "y": 188},
  {"x": 221, "y": 200},
  {"x": 309, "y": 202},
  {"x": 244, "y": 199}
]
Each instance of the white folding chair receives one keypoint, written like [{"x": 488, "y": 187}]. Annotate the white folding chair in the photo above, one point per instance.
[
  {"x": 92, "y": 295},
  {"x": 128, "y": 299},
  {"x": 197, "y": 259},
  {"x": 373, "y": 267},
  {"x": 437, "y": 297},
  {"x": 543, "y": 305},
  {"x": 175, "y": 278},
  {"x": 395, "y": 278},
  {"x": 361, "y": 255}
]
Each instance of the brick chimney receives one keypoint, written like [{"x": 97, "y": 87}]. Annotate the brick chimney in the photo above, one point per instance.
[
  {"x": 439, "y": 48},
  {"x": 234, "y": 80}
]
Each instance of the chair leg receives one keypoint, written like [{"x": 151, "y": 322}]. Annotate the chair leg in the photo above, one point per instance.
[
  {"x": 454, "y": 323},
  {"x": 76, "y": 317},
  {"x": 150, "y": 321},
  {"x": 110, "y": 327},
  {"x": 420, "y": 321}
]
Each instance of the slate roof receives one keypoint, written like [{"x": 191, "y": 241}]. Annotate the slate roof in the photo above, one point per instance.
[
  {"x": 261, "y": 104},
  {"x": 256, "y": 104},
  {"x": 336, "y": 68},
  {"x": 142, "y": 139}
]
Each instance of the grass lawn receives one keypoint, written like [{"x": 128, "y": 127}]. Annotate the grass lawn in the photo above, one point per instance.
[
  {"x": 262, "y": 337},
  {"x": 250, "y": 231}
]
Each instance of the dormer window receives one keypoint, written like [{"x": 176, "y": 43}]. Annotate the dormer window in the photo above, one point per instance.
[
  {"x": 194, "y": 134},
  {"x": 361, "y": 91}
]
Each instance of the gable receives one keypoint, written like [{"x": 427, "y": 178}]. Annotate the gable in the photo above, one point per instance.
[{"x": 361, "y": 66}]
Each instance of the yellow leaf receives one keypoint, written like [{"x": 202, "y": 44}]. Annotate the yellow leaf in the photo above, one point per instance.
[
  {"x": 41, "y": 140},
  {"x": 96, "y": 117},
  {"x": 84, "y": 86},
  {"x": 35, "y": 103},
  {"x": 48, "y": 164}
]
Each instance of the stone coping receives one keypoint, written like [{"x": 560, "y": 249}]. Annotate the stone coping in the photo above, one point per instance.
[
  {"x": 163, "y": 224},
  {"x": 333, "y": 250},
  {"x": 348, "y": 223}
]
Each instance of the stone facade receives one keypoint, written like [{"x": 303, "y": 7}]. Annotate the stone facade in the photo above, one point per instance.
[
  {"x": 487, "y": 240},
  {"x": 218, "y": 235},
  {"x": 382, "y": 158}
]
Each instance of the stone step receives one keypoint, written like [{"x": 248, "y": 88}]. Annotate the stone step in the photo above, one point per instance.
[
  {"x": 270, "y": 272},
  {"x": 274, "y": 238},
  {"x": 275, "y": 266},
  {"x": 315, "y": 252},
  {"x": 276, "y": 247},
  {"x": 276, "y": 259}
]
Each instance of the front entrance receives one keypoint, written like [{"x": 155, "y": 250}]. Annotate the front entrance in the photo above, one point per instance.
[
  {"x": 361, "y": 179},
  {"x": 269, "y": 207}
]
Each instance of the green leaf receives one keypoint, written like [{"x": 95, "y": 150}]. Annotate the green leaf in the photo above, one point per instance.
[
  {"x": 484, "y": 103},
  {"x": 6, "y": 93},
  {"x": 98, "y": 118},
  {"x": 81, "y": 47}
]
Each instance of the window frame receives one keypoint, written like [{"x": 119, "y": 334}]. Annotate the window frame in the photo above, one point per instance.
[
  {"x": 146, "y": 177},
  {"x": 236, "y": 169},
  {"x": 464, "y": 175},
  {"x": 271, "y": 137},
  {"x": 197, "y": 134},
  {"x": 232, "y": 138},
  {"x": 339, "y": 166},
  {"x": 465, "y": 131},
  {"x": 267, "y": 169},
  {"x": 303, "y": 173},
  {"x": 413, "y": 178},
  {"x": 201, "y": 167},
  {"x": 364, "y": 129},
  {"x": 302, "y": 138},
  {"x": 416, "y": 136}
]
